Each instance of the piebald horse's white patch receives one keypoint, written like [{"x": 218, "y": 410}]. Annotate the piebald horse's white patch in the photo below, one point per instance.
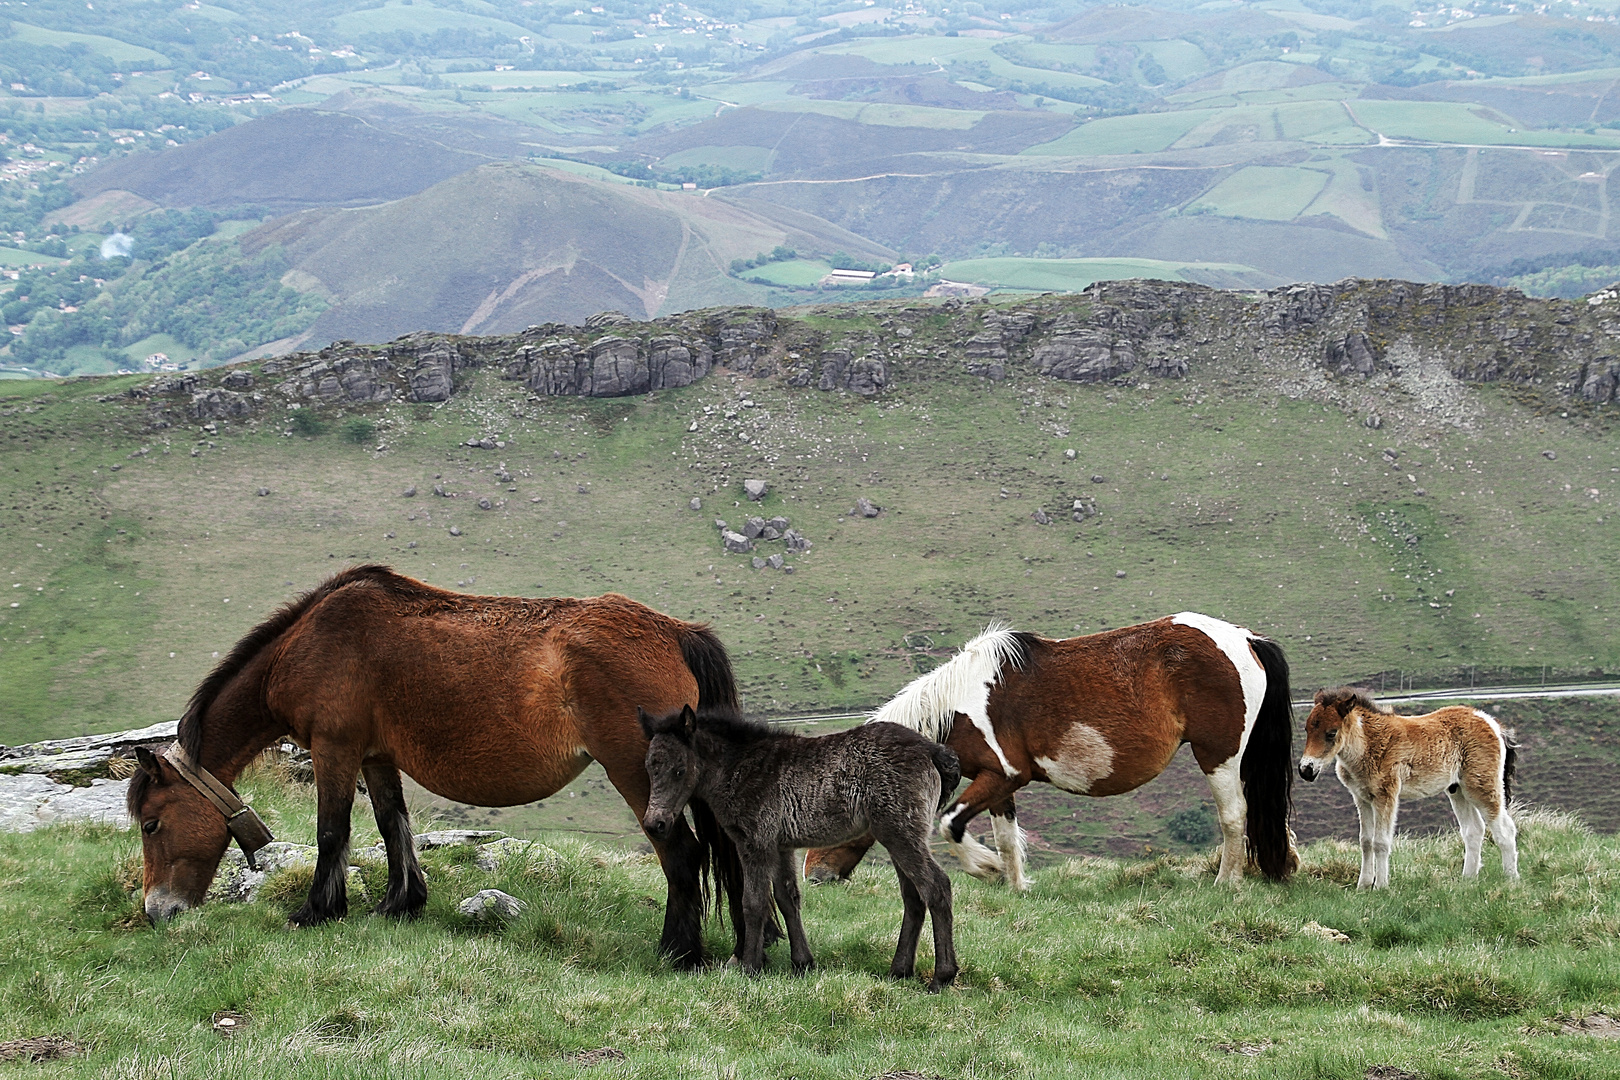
[
  {"x": 1234, "y": 642},
  {"x": 1084, "y": 757},
  {"x": 929, "y": 703}
]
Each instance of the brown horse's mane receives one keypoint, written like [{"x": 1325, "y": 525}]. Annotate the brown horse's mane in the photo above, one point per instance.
[
  {"x": 189, "y": 732},
  {"x": 1359, "y": 698}
]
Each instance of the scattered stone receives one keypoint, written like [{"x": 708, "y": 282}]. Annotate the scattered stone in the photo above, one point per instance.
[
  {"x": 778, "y": 523},
  {"x": 1374, "y": 421},
  {"x": 485, "y": 504},
  {"x": 758, "y": 562},
  {"x": 775, "y": 562},
  {"x": 412, "y": 544},
  {"x": 262, "y": 492},
  {"x": 867, "y": 507},
  {"x": 585, "y": 1059},
  {"x": 491, "y": 855},
  {"x": 485, "y": 442},
  {"x": 755, "y": 489},
  {"x": 696, "y": 504},
  {"x": 736, "y": 542},
  {"x": 229, "y": 1023},
  {"x": 1041, "y": 517},
  {"x": 439, "y": 838},
  {"x": 1599, "y": 1025},
  {"x": 582, "y": 489},
  {"x": 454, "y": 531},
  {"x": 720, "y": 524},
  {"x": 1246, "y": 1049},
  {"x": 1119, "y": 573},
  {"x": 1084, "y": 508},
  {"x": 388, "y": 536},
  {"x": 1098, "y": 478},
  {"x": 770, "y": 534},
  {"x": 1389, "y": 1072},
  {"x": 1550, "y": 455},
  {"x": 907, "y": 1074},
  {"x": 1391, "y": 454},
  {"x": 1316, "y": 929},
  {"x": 41, "y": 1048},
  {"x": 787, "y": 570},
  {"x": 438, "y": 489},
  {"x": 491, "y": 905},
  {"x": 1070, "y": 454},
  {"x": 753, "y": 527},
  {"x": 796, "y": 540}
]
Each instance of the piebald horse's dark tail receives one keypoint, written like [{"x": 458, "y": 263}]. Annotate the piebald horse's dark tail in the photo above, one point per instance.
[
  {"x": 706, "y": 658},
  {"x": 1268, "y": 769}
]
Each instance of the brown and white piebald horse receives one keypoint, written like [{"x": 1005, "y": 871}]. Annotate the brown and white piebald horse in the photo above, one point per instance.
[
  {"x": 488, "y": 700},
  {"x": 1381, "y": 756},
  {"x": 1100, "y": 715}
]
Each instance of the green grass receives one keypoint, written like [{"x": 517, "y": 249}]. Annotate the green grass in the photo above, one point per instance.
[
  {"x": 1458, "y": 122},
  {"x": 418, "y": 18},
  {"x": 741, "y": 158},
  {"x": 1142, "y": 133},
  {"x": 18, "y": 257},
  {"x": 1071, "y": 275},
  {"x": 1265, "y": 193},
  {"x": 1104, "y": 969}
]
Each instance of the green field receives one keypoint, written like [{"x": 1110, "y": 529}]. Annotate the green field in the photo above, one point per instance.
[
  {"x": 1265, "y": 193},
  {"x": 18, "y": 257},
  {"x": 796, "y": 272},
  {"x": 419, "y": 17},
  {"x": 1456, "y": 122},
  {"x": 1106, "y": 969},
  {"x": 112, "y": 48},
  {"x": 741, "y": 158},
  {"x": 1145, "y": 133},
  {"x": 1069, "y": 275}
]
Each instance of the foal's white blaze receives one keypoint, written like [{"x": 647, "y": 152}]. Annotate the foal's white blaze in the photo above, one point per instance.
[
  {"x": 929, "y": 703},
  {"x": 1234, "y": 642},
  {"x": 1084, "y": 757}
]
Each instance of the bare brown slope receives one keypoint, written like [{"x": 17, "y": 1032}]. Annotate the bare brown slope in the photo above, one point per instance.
[
  {"x": 289, "y": 160},
  {"x": 508, "y": 245}
]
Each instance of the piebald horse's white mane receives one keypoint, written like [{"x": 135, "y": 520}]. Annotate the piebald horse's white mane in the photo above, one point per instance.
[{"x": 929, "y": 703}]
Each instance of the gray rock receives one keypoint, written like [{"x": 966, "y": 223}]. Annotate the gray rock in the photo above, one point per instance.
[
  {"x": 1373, "y": 421},
  {"x": 753, "y": 527},
  {"x": 491, "y": 905},
  {"x": 770, "y": 533},
  {"x": 22, "y": 796},
  {"x": 1070, "y": 454},
  {"x": 238, "y": 380},
  {"x": 217, "y": 404},
  {"x": 1041, "y": 517},
  {"x": 439, "y": 838},
  {"x": 491, "y": 855},
  {"x": 779, "y": 523},
  {"x": 758, "y": 563},
  {"x": 696, "y": 504},
  {"x": 720, "y": 524},
  {"x": 454, "y": 531},
  {"x": 755, "y": 489},
  {"x": 775, "y": 562},
  {"x": 409, "y": 493},
  {"x": 438, "y": 489},
  {"x": 867, "y": 508},
  {"x": 795, "y": 540},
  {"x": 736, "y": 542},
  {"x": 1354, "y": 355},
  {"x": 1119, "y": 573},
  {"x": 1099, "y": 479},
  {"x": 101, "y": 803},
  {"x": 787, "y": 570},
  {"x": 485, "y": 504},
  {"x": 262, "y": 492},
  {"x": 1083, "y": 509},
  {"x": 1550, "y": 455}
]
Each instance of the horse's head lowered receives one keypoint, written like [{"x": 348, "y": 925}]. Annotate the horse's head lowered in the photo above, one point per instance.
[
  {"x": 187, "y": 818},
  {"x": 672, "y": 766},
  {"x": 1326, "y": 728}
]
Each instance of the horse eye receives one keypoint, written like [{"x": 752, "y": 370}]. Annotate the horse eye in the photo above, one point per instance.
[
  {"x": 1332, "y": 735},
  {"x": 150, "y": 827}
]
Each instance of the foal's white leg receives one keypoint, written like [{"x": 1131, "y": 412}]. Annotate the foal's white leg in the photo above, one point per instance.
[
  {"x": 1010, "y": 842},
  {"x": 1226, "y": 784},
  {"x": 1369, "y": 830},
  {"x": 975, "y": 858},
  {"x": 1506, "y": 835},
  {"x": 1384, "y": 839},
  {"x": 1472, "y": 826}
]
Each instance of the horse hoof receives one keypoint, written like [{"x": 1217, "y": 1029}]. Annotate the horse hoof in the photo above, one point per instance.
[{"x": 804, "y": 968}]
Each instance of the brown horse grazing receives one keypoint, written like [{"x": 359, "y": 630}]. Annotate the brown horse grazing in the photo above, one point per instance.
[
  {"x": 1381, "y": 756},
  {"x": 487, "y": 700},
  {"x": 1101, "y": 715}
]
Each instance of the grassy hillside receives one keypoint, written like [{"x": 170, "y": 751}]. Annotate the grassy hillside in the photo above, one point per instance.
[
  {"x": 1237, "y": 491},
  {"x": 1125, "y": 970}
]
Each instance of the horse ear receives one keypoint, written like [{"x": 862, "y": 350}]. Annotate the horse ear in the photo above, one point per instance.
[
  {"x": 688, "y": 721},
  {"x": 1344, "y": 705},
  {"x": 148, "y": 762},
  {"x": 645, "y": 721}
]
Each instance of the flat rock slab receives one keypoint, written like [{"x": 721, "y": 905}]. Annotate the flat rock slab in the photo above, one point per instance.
[
  {"x": 491, "y": 905},
  {"x": 30, "y": 800},
  {"x": 455, "y": 837}
]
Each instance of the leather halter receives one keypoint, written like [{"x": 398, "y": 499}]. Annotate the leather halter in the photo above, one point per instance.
[{"x": 248, "y": 829}]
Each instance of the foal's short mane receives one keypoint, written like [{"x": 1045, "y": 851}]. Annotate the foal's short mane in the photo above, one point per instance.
[
  {"x": 1357, "y": 698},
  {"x": 731, "y": 726},
  {"x": 189, "y": 733}
]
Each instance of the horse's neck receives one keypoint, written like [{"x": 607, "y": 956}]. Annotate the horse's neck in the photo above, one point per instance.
[
  {"x": 717, "y": 765},
  {"x": 1353, "y": 740},
  {"x": 236, "y": 727}
]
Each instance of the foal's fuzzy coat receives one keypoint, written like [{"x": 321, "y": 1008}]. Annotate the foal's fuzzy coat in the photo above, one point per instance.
[
  {"x": 774, "y": 792},
  {"x": 1382, "y": 756}
]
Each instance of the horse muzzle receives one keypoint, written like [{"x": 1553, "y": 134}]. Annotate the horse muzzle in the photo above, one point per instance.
[
  {"x": 1308, "y": 771},
  {"x": 161, "y": 905},
  {"x": 658, "y": 828}
]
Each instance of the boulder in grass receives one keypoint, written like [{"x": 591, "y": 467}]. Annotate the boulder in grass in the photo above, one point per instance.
[
  {"x": 439, "y": 838},
  {"x": 491, "y": 855},
  {"x": 753, "y": 528},
  {"x": 736, "y": 542},
  {"x": 696, "y": 504},
  {"x": 779, "y": 523},
  {"x": 867, "y": 508},
  {"x": 755, "y": 489},
  {"x": 758, "y": 562},
  {"x": 491, "y": 905},
  {"x": 776, "y": 561}
]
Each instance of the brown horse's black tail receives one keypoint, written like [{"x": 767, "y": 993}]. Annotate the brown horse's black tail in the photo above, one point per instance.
[
  {"x": 721, "y": 873},
  {"x": 1268, "y": 769},
  {"x": 1510, "y": 762}
]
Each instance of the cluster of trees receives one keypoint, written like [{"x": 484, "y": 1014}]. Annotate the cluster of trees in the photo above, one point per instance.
[
  {"x": 704, "y": 176},
  {"x": 779, "y": 253},
  {"x": 1565, "y": 274}
]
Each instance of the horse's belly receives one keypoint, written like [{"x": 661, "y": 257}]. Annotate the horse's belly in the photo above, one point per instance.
[{"x": 518, "y": 779}]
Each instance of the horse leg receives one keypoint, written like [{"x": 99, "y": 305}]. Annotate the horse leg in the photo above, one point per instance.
[
  {"x": 838, "y": 863},
  {"x": 1231, "y": 808},
  {"x": 988, "y": 789},
  {"x": 757, "y": 867},
  {"x": 336, "y": 770},
  {"x": 1506, "y": 835},
  {"x": 904, "y": 964},
  {"x": 1472, "y": 827},
  {"x": 1009, "y": 838},
  {"x": 681, "y": 858},
  {"x": 407, "y": 888},
  {"x": 787, "y": 901},
  {"x": 1385, "y": 807},
  {"x": 925, "y": 887}
]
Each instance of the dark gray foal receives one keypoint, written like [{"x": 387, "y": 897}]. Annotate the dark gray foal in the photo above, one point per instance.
[{"x": 774, "y": 792}]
